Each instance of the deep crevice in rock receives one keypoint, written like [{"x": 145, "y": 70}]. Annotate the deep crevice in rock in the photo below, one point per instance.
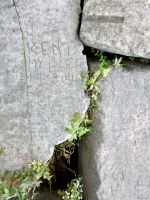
[
  {"x": 82, "y": 4},
  {"x": 80, "y": 16},
  {"x": 63, "y": 165},
  {"x": 89, "y": 55}
]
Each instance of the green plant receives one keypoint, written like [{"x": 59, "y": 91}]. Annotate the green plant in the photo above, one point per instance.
[
  {"x": 131, "y": 58},
  {"x": 80, "y": 125},
  {"x": 105, "y": 63},
  {"x": 144, "y": 60},
  {"x": 6, "y": 189},
  {"x": 91, "y": 87},
  {"x": 117, "y": 62},
  {"x": 21, "y": 183},
  {"x": 1, "y": 151},
  {"x": 90, "y": 78},
  {"x": 74, "y": 190}
]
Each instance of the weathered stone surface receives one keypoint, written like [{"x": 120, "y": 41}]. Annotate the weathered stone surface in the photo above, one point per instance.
[
  {"x": 117, "y": 26},
  {"x": 114, "y": 160},
  {"x": 40, "y": 77}
]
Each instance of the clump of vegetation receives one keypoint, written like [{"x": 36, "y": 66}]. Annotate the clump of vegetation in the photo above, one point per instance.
[
  {"x": 131, "y": 58},
  {"x": 22, "y": 184},
  {"x": 142, "y": 60},
  {"x": 80, "y": 125},
  {"x": 91, "y": 78},
  {"x": 74, "y": 190}
]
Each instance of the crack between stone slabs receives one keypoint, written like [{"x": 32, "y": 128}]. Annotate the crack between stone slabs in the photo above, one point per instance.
[
  {"x": 82, "y": 2},
  {"x": 27, "y": 93},
  {"x": 80, "y": 17}
]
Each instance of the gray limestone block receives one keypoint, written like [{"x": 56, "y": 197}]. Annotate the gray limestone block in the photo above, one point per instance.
[
  {"x": 117, "y": 26},
  {"x": 41, "y": 62},
  {"x": 114, "y": 160}
]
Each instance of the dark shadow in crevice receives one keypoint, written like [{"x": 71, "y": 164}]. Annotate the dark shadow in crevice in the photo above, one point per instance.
[
  {"x": 63, "y": 166},
  {"x": 82, "y": 4},
  {"x": 111, "y": 56},
  {"x": 80, "y": 16}
]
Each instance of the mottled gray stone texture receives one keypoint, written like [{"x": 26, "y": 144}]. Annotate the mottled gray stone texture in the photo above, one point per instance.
[
  {"x": 114, "y": 160},
  {"x": 40, "y": 77},
  {"x": 117, "y": 26}
]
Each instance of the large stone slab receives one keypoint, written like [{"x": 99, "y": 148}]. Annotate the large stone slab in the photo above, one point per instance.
[
  {"x": 114, "y": 160},
  {"x": 40, "y": 77},
  {"x": 117, "y": 26}
]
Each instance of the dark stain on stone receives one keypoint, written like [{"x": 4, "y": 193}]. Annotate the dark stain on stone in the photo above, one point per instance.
[{"x": 104, "y": 19}]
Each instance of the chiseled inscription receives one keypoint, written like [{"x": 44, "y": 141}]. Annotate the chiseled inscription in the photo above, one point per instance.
[
  {"x": 143, "y": 187},
  {"x": 12, "y": 115},
  {"x": 104, "y": 19},
  {"x": 53, "y": 57},
  {"x": 12, "y": 75},
  {"x": 50, "y": 48},
  {"x": 117, "y": 187},
  {"x": 57, "y": 115},
  {"x": 46, "y": 27}
]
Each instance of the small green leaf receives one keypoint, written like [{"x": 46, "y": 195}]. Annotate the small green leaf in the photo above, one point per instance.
[
  {"x": 68, "y": 130},
  {"x": 84, "y": 74},
  {"x": 77, "y": 114},
  {"x": 91, "y": 87},
  {"x": 72, "y": 137},
  {"x": 131, "y": 58},
  {"x": 6, "y": 191},
  {"x": 38, "y": 176}
]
